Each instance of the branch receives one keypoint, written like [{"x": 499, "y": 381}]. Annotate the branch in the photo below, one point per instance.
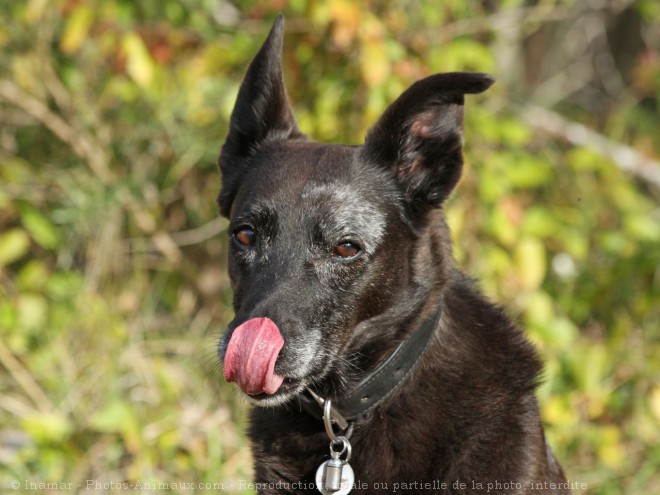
[
  {"x": 24, "y": 379},
  {"x": 93, "y": 153},
  {"x": 200, "y": 234},
  {"x": 79, "y": 140},
  {"x": 182, "y": 238},
  {"x": 626, "y": 158},
  {"x": 510, "y": 21}
]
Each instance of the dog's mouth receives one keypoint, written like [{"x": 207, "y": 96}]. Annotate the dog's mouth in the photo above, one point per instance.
[
  {"x": 249, "y": 361},
  {"x": 289, "y": 388},
  {"x": 251, "y": 355}
]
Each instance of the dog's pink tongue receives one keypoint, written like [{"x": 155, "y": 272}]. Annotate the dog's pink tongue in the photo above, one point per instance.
[{"x": 251, "y": 355}]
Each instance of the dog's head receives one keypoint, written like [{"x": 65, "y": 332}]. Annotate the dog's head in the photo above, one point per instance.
[{"x": 327, "y": 239}]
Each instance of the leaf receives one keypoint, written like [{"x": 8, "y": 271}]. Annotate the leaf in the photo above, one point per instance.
[
  {"x": 504, "y": 221},
  {"x": 584, "y": 159},
  {"x": 528, "y": 172},
  {"x": 562, "y": 332},
  {"x": 514, "y": 132},
  {"x": 119, "y": 418},
  {"x": 31, "y": 277},
  {"x": 538, "y": 222},
  {"x": 40, "y": 228},
  {"x": 346, "y": 22},
  {"x": 643, "y": 227},
  {"x": 139, "y": 64},
  {"x": 654, "y": 401},
  {"x": 594, "y": 369},
  {"x": 374, "y": 62},
  {"x": 539, "y": 308},
  {"x": 610, "y": 450},
  {"x": 540, "y": 316},
  {"x": 76, "y": 29},
  {"x": 25, "y": 71},
  {"x": 14, "y": 244},
  {"x": 459, "y": 55},
  {"x": 558, "y": 410},
  {"x": 47, "y": 427},
  {"x": 531, "y": 262},
  {"x": 32, "y": 310},
  {"x": 113, "y": 419}
]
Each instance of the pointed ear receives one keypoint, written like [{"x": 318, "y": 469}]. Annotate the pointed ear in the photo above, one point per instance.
[
  {"x": 419, "y": 138},
  {"x": 262, "y": 113}
]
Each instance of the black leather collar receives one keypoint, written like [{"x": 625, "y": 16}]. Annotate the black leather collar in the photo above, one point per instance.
[{"x": 382, "y": 382}]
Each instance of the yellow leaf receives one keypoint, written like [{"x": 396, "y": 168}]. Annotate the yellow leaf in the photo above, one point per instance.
[
  {"x": 374, "y": 62},
  {"x": 346, "y": 22},
  {"x": 558, "y": 411},
  {"x": 139, "y": 64},
  {"x": 654, "y": 400},
  {"x": 32, "y": 310},
  {"x": 35, "y": 10},
  {"x": 374, "y": 59},
  {"x": 76, "y": 29},
  {"x": 503, "y": 226},
  {"x": 47, "y": 427},
  {"x": 539, "y": 308},
  {"x": 25, "y": 70},
  {"x": 14, "y": 244},
  {"x": 610, "y": 451},
  {"x": 530, "y": 262}
]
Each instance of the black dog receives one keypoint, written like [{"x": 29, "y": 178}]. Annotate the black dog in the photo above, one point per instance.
[{"x": 345, "y": 289}]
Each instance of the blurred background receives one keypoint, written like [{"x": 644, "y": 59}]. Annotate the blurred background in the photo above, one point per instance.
[{"x": 113, "y": 289}]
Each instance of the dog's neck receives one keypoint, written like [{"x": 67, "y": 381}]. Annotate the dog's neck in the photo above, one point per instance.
[{"x": 384, "y": 380}]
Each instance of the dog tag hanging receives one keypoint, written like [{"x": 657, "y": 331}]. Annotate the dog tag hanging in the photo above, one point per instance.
[
  {"x": 346, "y": 482},
  {"x": 332, "y": 474},
  {"x": 335, "y": 476}
]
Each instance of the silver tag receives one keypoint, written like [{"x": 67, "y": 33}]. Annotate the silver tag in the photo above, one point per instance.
[
  {"x": 332, "y": 474},
  {"x": 346, "y": 473}
]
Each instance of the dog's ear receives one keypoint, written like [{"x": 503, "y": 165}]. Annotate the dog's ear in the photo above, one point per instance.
[
  {"x": 262, "y": 113},
  {"x": 419, "y": 138}
]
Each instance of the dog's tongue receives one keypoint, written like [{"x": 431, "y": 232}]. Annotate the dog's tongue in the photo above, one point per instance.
[{"x": 251, "y": 355}]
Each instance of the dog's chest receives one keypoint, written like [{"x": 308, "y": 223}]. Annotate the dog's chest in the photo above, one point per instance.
[{"x": 291, "y": 451}]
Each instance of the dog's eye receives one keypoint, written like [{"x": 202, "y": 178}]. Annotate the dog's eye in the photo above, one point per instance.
[
  {"x": 346, "y": 250},
  {"x": 245, "y": 237}
]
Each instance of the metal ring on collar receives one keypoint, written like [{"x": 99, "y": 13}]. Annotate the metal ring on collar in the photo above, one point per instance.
[
  {"x": 327, "y": 422},
  {"x": 345, "y": 449}
]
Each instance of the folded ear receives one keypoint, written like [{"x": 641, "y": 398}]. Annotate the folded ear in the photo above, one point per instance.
[
  {"x": 262, "y": 113},
  {"x": 419, "y": 138}
]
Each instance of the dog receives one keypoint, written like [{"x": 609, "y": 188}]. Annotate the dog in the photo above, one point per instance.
[{"x": 355, "y": 335}]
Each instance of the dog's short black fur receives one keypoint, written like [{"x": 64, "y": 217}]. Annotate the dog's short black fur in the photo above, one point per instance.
[{"x": 345, "y": 248}]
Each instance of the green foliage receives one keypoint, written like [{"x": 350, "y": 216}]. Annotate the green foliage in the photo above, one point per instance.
[{"x": 113, "y": 290}]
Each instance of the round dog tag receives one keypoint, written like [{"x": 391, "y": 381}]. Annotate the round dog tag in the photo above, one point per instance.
[{"x": 347, "y": 479}]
